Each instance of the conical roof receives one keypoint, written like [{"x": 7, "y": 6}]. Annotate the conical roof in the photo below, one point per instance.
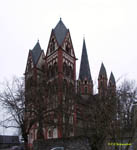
[
  {"x": 112, "y": 79},
  {"x": 84, "y": 66},
  {"x": 102, "y": 71},
  {"x": 60, "y": 32},
  {"x": 36, "y": 51}
]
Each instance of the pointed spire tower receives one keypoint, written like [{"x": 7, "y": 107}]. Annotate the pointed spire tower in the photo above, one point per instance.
[
  {"x": 112, "y": 85},
  {"x": 85, "y": 80},
  {"x": 112, "y": 80},
  {"x": 61, "y": 69},
  {"x": 102, "y": 81},
  {"x": 34, "y": 58}
]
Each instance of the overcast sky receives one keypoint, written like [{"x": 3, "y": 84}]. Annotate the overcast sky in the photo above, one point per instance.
[{"x": 109, "y": 28}]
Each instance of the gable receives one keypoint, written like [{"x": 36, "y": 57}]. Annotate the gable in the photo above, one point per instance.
[
  {"x": 41, "y": 60},
  {"x": 52, "y": 45},
  {"x": 67, "y": 45}
]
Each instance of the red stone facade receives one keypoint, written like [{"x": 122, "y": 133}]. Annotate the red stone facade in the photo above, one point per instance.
[{"x": 60, "y": 67}]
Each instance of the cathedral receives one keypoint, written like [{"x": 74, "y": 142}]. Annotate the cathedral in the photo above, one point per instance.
[{"x": 65, "y": 97}]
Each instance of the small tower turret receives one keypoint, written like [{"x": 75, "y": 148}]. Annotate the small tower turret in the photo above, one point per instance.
[
  {"x": 112, "y": 85},
  {"x": 85, "y": 80},
  {"x": 35, "y": 60},
  {"x": 102, "y": 81}
]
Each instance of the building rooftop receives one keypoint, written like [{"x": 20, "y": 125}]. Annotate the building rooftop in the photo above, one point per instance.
[{"x": 60, "y": 32}]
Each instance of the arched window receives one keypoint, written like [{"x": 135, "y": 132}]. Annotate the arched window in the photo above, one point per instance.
[
  {"x": 55, "y": 86},
  {"x": 65, "y": 86},
  {"x": 86, "y": 90},
  {"x": 51, "y": 88},
  {"x": 48, "y": 89},
  {"x": 50, "y": 133},
  {"x": 71, "y": 88},
  {"x": 64, "y": 68},
  {"x": 43, "y": 68},
  {"x": 67, "y": 71},
  {"x": 71, "y": 72},
  {"x": 52, "y": 45},
  {"x": 49, "y": 72},
  {"x": 68, "y": 48},
  {"x": 52, "y": 71},
  {"x": 55, "y": 68},
  {"x": 101, "y": 84}
]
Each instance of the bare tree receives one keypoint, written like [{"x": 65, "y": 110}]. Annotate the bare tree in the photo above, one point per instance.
[
  {"x": 12, "y": 99},
  {"x": 25, "y": 108},
  {"x": 20, "y": 115},
  {"x": 126, "y": 96},
  {"x": 108, "y": 117}
]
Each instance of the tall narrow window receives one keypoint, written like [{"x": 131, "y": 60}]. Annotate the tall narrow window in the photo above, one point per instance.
[
  {"x": 86, "y": 90},
  {"x": 67, "y": 71},
  {"x": 64, "y": 68},
  {"x": 65, "y": 86},
  {"x": 52, "y": 45},
  {"x": 101, "y": 84},
  {"x": 55, "y": 68},
  {"x": 50, "y": 133},
  {"x": 70, "y": 70},
  {"x": 68, "y": 49}
]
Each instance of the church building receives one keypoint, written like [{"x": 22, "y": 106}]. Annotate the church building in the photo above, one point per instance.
[{"x": 64, "y": 96}]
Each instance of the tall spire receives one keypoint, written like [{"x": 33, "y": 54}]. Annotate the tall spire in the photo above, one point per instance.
[
  {"x": 112, "y": 79},
  {"x": 112, "y": 85},
  {"x": 102, "y": 81},
  {"x": 84, "y": 66},
  {"x": 102, "y": 71},
  {"x": 60, "y": 32}
]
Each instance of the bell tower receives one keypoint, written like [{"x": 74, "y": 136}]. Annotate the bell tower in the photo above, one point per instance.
[
  {"x": 85, "y": 84},
  {"x": 61, "y": 66}
]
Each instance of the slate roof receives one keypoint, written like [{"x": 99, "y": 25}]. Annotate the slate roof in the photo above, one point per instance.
[
  {"x": 112, "y": 79},
  {"x": 84, "y": 66},
  {"x": 103, "y": 71},
  {"x": 36, "y": 51},
  {"x": 60, "y": 32},
  {"x": 4, "y": 139}
]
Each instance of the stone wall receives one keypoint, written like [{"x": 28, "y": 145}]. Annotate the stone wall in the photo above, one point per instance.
[{"x": 73, "y": 143}]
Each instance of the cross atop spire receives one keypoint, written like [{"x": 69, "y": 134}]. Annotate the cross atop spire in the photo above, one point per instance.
[{"x": 84, "y": 66}]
